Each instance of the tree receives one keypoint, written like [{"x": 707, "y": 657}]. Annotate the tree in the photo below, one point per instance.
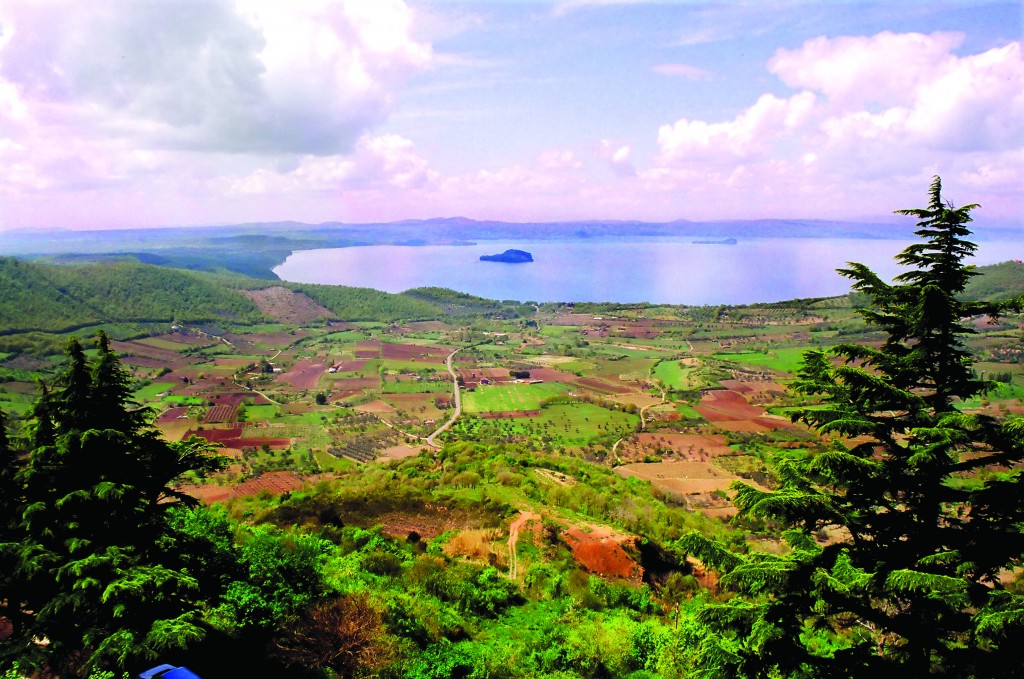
[
  {"x": 11, "y": 590},
  {"x": 96, "y": 555},
  {"x": 925, "y": 499}
]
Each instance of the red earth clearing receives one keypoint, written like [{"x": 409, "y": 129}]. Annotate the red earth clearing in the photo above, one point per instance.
[
  {"x": 273, "y": 482},
  {"x": 305, "y": 374},
  {"x": 601, "y": 552}
]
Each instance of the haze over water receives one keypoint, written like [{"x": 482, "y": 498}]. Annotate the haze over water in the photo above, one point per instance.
[{"x": 663, "y": 271}]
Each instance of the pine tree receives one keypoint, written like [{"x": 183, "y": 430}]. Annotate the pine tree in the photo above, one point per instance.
[
  {"x": 926, "y": 499},
  {"x": 11, "y": 591},
  {"x": 96, "y": 558}
]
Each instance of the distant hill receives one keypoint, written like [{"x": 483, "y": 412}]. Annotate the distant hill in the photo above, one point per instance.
[
  {"x": 55, "y": 298},
  {"x": 997, "y": 282},
  {"x": 255, "y": 249},
  {"x": 59, "y": 298}
]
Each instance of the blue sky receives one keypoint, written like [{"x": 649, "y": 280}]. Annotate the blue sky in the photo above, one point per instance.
[{"x": 116, "y": 114}]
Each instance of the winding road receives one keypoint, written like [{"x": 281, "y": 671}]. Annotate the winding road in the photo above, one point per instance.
[{"x": 458, "y": 402}]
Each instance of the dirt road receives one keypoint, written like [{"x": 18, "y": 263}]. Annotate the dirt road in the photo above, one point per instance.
[{"x": 458, "y": 402}]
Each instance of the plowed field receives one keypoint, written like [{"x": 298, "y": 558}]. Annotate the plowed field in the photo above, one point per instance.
[{"x": 305, "y": 374}]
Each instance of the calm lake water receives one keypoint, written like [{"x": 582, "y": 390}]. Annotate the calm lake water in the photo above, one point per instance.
[{"x": 648, "y": 270}]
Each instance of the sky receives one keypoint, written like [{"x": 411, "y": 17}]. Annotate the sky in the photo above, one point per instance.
[{"x": 121, "y": 114}]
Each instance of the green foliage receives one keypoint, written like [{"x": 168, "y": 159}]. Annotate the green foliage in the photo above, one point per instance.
[
  {"x": 93, "y": 547},
  {"x": 914, "y": 588},
  {"x": 997, "y": 282},
  {"x": 365, "y": 304},
  {"x": 462, "y": 305},
  {"x": 55, "y": 298}
]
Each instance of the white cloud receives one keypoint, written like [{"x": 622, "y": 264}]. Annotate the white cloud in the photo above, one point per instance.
[
  {"x": 751, "y": 133},
  {"x": 256, "y": 77},
  {"x": 618, "y": 156},
  {"x": 860, "y": 71},
  {"x": 383, "y": 162},
  {"x": 871, "y": 116}
]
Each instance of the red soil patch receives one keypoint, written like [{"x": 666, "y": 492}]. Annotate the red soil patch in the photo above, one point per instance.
[
  {"x": 746, "y": 388},
  {"x": 186, "y": 337},
  {"x": 216, "y": 435},
  {"x": 232, "y": 362},
  {"x": 221, "y": 413},
  {"x": 495, "y": 375},
  {"x": 723, "y": 405},
  {"x": 274, "y": 482},
  {"x": 305, "y": 374},
  {"x": 270, "y": 339},
  {"x": 637, "y": 333},
  {"x": 413, "y": 352},
  {"x": 355, "y": 384},
  {"x": 235, "y": 438},
  {"x": 172, "y": 414},
  {"x": 429, "y": 522},
  {"x": 287, "y": 305},
  {"x": 169, "y": 357},
  {"x": 145, "y": 362},
  {"x": 351, "y": 366},
  {"x": 375, "y": 407},
  {"x": 552, "y": 375},
  {"x": 600, "y": 552},
  {"x": 600, "y": 385}
]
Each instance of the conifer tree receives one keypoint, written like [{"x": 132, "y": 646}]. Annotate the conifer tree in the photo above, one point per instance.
[
  {"x": 96, "y": 558},
  {"x": 925, "y": 500},
  {"x": 11, "y": 601}
]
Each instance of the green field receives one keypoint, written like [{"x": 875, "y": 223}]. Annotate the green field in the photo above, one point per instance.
[
  {"x": 508, "y": 397},
  {"x": 416, "y": 387},
  {"x": 260, "y": 413},
  {"x": 574, "y": 424},
  {"x": 786, "y": 360},
  {"x": 675, "y": 375},
  {"x": 184, "y": 400},
  {"x": 15, "y": 403},
  {"x": 151, "y": 391},
  {"x": 412, "y": 366}
]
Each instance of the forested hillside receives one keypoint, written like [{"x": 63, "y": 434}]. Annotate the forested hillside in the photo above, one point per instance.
[
  {"x": 998, "y": 281},
  {"x": 57, "y": 298}
]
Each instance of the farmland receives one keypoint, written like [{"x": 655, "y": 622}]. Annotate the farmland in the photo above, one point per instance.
[
  {"x": 569, "y": 382},
  {"x": 590, "y": 440}
]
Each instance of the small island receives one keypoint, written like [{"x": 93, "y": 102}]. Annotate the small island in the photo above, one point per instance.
[{"x": 509, "y": 257}]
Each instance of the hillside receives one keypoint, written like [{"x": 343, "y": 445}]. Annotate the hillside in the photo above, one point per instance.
[
  {"x": 998, "y": 281},
  {"x": 57, "y": 298}
]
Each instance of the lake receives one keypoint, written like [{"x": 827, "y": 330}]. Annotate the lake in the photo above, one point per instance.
[{"x": 655, "y": 270}]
